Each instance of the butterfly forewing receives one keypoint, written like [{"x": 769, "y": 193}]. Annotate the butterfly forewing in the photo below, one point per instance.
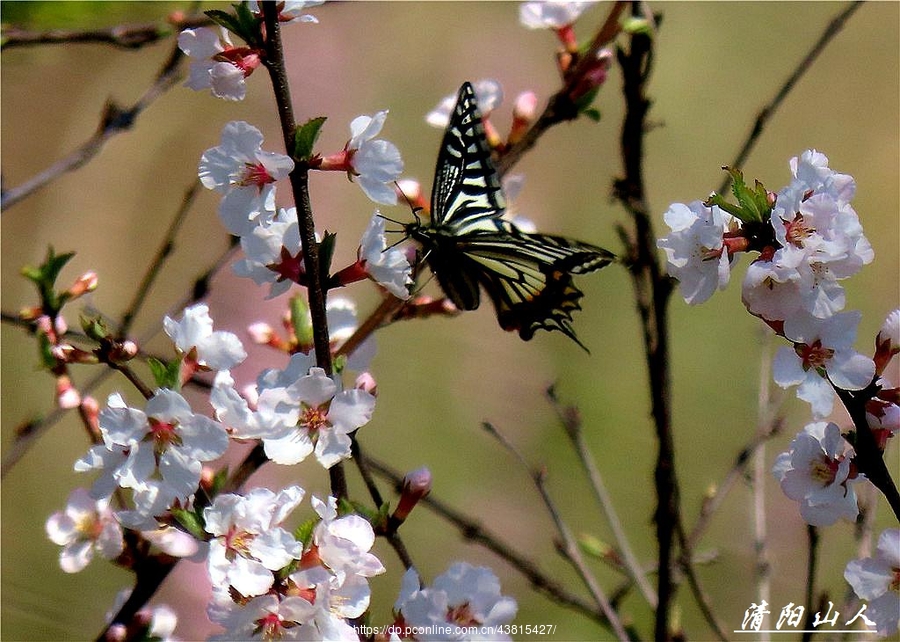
[
  {"x": 469, "y": 246},
  {"x": 466, "y": 192}
]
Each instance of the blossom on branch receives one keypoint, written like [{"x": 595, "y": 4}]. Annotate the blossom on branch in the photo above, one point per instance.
[
  {"x": 158, "y": 453},
  {"x": 822, "y": 355},
  {"x": 373, "y": 163},
  {"x": 877, "y": 580},
  {"x": 388, "y": 267},
  {"x": 194, "y": 337},
  {"x": 216, "y": 64},
  {"x": 315, "y": 417},
  {"x": 86, "y": 526},
  {"x": 817, "y": 472},
  {"x": 248, "y": 543},
  {"x": 244, "y": 174},
  {"x": 696, "y": 254},
  {"x": 273, "y": 254},
  {"x": 464, "y": 596}
]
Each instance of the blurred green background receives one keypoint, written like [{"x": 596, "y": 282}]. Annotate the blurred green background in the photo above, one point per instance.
[{"x": 716, "y": 65}]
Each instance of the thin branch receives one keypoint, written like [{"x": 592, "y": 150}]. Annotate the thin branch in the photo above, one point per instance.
[
  {"x": 760, "y": 472},
  {"x": 475, "y": 532},
  {"x": 567, "y": 547},
  {"x": 652, "y": 291},
  {"x": 570, "y": 419},
  {"x": 812, "y": 562},
  {"x": 128, "y": 36},
  {"x": 114, "y": 120},
  {"x": 561, "y": 107},
  {"x": 274, "y": 63},
  {"x": 766, "y": 113},
  {"x": 153, "y": 270}
]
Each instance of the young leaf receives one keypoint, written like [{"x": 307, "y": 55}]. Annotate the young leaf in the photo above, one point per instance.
[
  {"x": 166, "y": 375},
  {"x": 304, "y": 532},
  {"x": 305, "y": 137},
  {"x": 192, "y": 522}
]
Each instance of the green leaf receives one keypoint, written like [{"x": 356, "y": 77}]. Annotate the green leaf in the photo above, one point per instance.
[
  {"x": 45, "y": 352},
  {"x": 304, "y": 532},
  {"x": 592, "y": 113},
  {"x": 218, "y": 481},
  {"x": 192, "y": 522},
  {"x": 224, "y": 19},
  {"x": 249, "y": 25},
  {"x": 636, "y": 26},
  {"x": 166, "y": 375},
  {"x": 345, "y": 507},
  {"x": 305, "y": 137},
  {"x": 583, "y": 103},
  {"x": 326, "y": 252},
  {"x": 753, "y": 205},
  {"x": 95, "y": 328},
  {"x": 594, "y": 546},
  {"x": 44, "y": 277}
]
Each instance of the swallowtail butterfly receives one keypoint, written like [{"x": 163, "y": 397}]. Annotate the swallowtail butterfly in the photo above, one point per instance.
[{"x": 468, "y": 245}]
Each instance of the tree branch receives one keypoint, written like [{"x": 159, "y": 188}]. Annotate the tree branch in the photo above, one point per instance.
[{"x": 114, "y": 120}]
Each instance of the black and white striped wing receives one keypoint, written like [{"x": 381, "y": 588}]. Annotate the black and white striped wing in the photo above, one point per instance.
[
  {"x": 466, "y": 194},
  {"x": 529, "y": 277}
]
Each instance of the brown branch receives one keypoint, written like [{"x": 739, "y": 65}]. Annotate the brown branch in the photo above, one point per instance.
[
  {"x": 114, "y": 120},
  {"x": 561, "y": 107},
  {"x": 128, "y": 36},
  {"x": 478, "y": 534},
  {"x": 566, "y": 546},
  {"x": 153, "y": 270},
  {"x": 652, "y": 291},
  {"x": 766, "y": 113},
  {"x": 274, "y": 63}
]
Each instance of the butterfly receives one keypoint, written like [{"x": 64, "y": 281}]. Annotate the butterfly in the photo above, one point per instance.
[{"x": 468, "y": 245}]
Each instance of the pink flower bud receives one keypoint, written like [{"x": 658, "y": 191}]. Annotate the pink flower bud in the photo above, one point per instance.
[
  {"x": 365, "y": 381},
  {"x": 87, "y": 282},
  {"x": 416, "y": 485}
]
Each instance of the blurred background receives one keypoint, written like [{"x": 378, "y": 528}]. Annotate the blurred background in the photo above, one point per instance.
[{"x": 716, "y": 65}]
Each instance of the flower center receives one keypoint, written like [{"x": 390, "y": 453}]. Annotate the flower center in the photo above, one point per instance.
[
  {"x": 288, "y": 267},
  {"x": 313, "y": 418},
  {"x": 814, "y": 355},
  {"x": 462, "y": 615},
  {"x": 270, "y": 627},
  {"x": 796, "y": 231},
  {"x": 255, "y": 174},
  {"x": 824, "y": 470},
  {"x": 163, "y": 435}
]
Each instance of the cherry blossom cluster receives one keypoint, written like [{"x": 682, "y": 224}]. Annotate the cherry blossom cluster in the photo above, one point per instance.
[
  {"x": 806, "y": 240},
  {"x": 156, "y": 481}
]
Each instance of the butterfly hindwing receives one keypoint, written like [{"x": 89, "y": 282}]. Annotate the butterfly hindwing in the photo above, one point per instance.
[
  {"x": 468, "y": 245},
  {"x": 529, "y": 277}
]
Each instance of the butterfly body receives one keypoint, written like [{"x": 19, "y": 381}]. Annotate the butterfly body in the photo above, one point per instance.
[{"x": 468, "y": 245}]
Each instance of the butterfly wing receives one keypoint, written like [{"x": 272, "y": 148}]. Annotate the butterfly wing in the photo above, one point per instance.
[
  {"x": 468, "y": 245},
  {"x": 529, "y": 277},
  {"x": 466, "y": 194}
]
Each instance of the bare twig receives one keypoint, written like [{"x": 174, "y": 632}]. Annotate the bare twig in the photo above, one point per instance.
[
  {"x": 165, "y": 249},
  {"x": 567, "y": 547},
  {"x": 475, "y": 532},
  {"x": 760, "y": 473},
  {"x": 766, "y": 113},
  {"x": 114, "y": 120},
  {"x": 571, "y": 422},
  {"x": 129, "y": 36}
]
